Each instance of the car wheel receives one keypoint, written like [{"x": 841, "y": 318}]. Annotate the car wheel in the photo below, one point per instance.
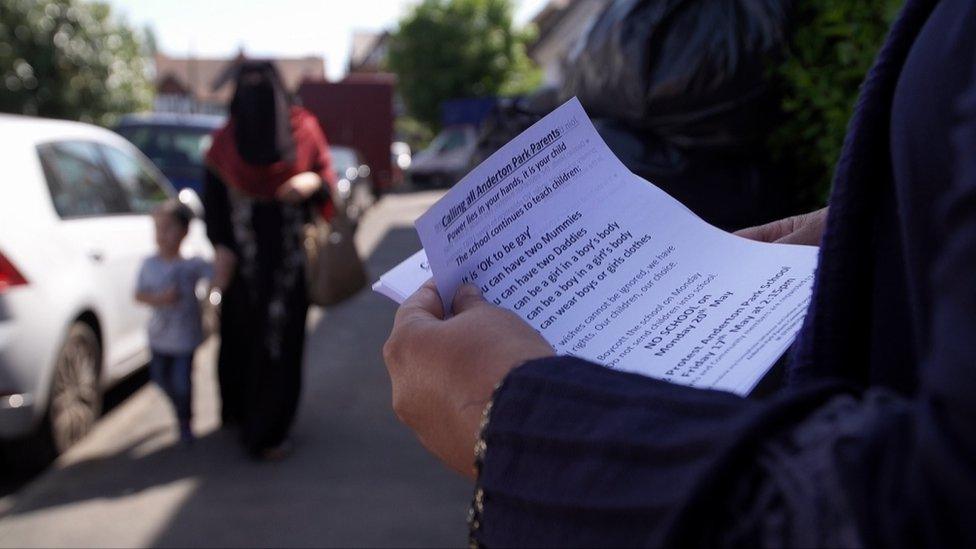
[{"x": 75, "y": 400}]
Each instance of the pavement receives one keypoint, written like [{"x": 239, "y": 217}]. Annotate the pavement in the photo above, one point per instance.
[{"x": 356, "y": 478}]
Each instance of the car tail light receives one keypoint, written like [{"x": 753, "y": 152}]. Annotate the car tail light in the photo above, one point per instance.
[{"x": 9, "y": 275}]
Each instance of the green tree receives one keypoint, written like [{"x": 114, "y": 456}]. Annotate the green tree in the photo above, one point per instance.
[
  {"x": 449, "y": 49},
  {"x": 832, "y": 46},
  {"x": 70, "y": 59}
]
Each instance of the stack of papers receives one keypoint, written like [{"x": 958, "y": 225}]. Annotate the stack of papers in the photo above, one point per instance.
[{"x": 404, "y": 279}]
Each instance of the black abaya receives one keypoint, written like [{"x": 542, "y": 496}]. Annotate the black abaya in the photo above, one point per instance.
[{"x": 263, "y": 312}]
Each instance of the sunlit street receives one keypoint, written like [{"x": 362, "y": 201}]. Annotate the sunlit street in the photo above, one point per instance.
[{"x": 357, "y": 476}]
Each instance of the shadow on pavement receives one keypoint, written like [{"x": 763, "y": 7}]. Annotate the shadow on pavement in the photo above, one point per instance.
[
  {"x": 124, "y": 389},
  {"x": 13, "y": 477},
  {"x": 356, "y": 477},
  {"x": 121, "y": 474}
]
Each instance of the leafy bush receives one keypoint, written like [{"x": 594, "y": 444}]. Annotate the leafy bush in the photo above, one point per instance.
[
  {"x": 69, "y": 59},
  {"x": 454, "y": 49},
  {"x": 832, "y": 46}
]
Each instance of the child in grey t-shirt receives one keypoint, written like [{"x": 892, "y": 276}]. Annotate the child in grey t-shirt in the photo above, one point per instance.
[{"x": 167, "y": 283}]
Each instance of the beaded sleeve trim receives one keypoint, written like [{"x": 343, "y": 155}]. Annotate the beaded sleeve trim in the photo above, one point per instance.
[{"x": 477, "y": 508}]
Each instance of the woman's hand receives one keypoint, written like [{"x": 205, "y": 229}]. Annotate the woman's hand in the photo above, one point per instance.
[
  {"x": 443, "y": 372},
  {"x": 299, "y": 188},
  {"x": 225, "y": 263},
  {"x": 799, "y": 229}
]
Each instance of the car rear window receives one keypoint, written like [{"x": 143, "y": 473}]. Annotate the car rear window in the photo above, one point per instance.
[
  {"x": 79, "y": 184},
  {"x": 142, "y": 190}
]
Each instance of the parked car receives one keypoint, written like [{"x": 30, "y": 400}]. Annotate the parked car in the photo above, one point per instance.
[
  {"x": 74, "y": 228},
  {"x": 354, "y": 186},
  {"x": 176, "y": 143},
  {"x": 447, "y": 159}
]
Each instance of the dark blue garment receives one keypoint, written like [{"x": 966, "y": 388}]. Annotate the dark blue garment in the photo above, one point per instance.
[
  {"x": 872, "y": 440},
  {"x": 173, "y": 374}
]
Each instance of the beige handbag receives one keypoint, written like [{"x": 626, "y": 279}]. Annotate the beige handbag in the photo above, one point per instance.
[{"x": 333, "y": 270}]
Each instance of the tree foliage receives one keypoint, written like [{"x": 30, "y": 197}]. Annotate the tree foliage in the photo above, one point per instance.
[
  {"x": 70, "y": 59},
  {"x": 451, "y": 49},
  {"x": 832, "y": 47}
]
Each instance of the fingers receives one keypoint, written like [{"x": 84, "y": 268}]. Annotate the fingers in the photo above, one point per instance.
[
  {"x": 425, "y": 303},
  {"x": 411, "y": 324},
  {"x": 299, "y": 187},
  {"x": 800, "y": 229},
  {"x": 769, "y": 232},
  {"x": 306, "y": 179},
  {"x": 752, "y": 233},
  {"x": 289, "y": 192},
  {"x": 311, "y": 181},
  {"x": 468, "y": 297},
  {"x": 807, "y": 229},
  {"x": 808, "y": 234}
]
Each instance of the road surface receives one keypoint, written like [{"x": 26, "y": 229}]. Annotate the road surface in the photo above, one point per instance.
[{"x": 356, "y": 478}]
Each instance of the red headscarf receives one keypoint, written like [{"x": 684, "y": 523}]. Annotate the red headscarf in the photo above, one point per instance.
[{"x": 311, "y": 154}]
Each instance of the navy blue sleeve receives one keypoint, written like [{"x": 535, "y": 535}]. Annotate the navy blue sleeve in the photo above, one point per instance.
[
  {"x": 913, "y": 477},
  {"x": 577, "y": 454}
]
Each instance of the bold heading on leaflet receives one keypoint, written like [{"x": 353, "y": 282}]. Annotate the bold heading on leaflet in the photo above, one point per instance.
[{"x": 500, "y": 175}]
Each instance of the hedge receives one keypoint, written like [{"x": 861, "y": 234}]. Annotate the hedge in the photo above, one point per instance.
[{"x": 832, "y": 46}]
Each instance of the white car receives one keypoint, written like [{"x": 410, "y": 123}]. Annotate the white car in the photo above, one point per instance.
[{"x": 74, "y": 228}]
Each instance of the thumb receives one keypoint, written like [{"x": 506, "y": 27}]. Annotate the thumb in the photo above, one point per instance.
[
  {"x": 468, "y": 297},
  {"x": 766, "y": 233},
  {"x": 425, "y": 304}
]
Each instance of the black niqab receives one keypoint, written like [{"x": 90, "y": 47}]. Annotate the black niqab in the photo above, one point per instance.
[{"x": 260, "y": 111}]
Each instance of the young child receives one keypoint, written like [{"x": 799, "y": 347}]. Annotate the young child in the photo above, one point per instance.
[{"x": 166, "y": 283}]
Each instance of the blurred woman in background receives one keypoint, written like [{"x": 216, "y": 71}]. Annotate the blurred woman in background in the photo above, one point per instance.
[{"x": 267, "y": 174}]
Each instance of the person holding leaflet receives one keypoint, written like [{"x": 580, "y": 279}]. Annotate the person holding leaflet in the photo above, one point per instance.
[
  {"x": 871, "y": 440},
  {"x": 668, "y": 296}
]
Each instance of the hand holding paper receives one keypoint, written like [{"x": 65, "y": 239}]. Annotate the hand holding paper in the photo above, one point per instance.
[
  {"x": 606, "y": 266},
  {"x": 438, "y": 390}
]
